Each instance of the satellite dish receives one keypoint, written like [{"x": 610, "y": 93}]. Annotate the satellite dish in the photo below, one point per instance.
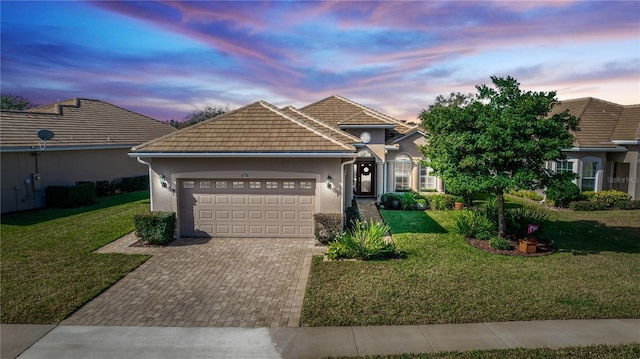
[{"x": 45, "y": 135}]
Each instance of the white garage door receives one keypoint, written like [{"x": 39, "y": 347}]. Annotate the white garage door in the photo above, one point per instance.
[{"x": 247, "y": 208}]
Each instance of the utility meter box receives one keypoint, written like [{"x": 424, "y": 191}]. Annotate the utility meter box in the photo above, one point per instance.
[{"x": 37, "y": 183}]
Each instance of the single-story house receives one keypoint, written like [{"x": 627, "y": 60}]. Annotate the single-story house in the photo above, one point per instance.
[
  {"x": 605, "y": 151},
  {"x": 90, "y": 142},
  {"x": 264, "y": 171}
]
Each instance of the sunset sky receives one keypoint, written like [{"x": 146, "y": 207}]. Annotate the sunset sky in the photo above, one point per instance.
[{"x": 163, "y": 59}]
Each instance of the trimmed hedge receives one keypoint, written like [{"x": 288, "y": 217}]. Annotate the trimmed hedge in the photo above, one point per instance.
[
  {"x": 327, "y": 226},
  {"x": 532, "y": 195},
  {"x": 155, "y": 227},
  {"x": 82, "y": 194},
  {"x": 587, "y": 205},
  {"x": 610, "y": 197},
  {"x": 628, "y": 205},
  {"x": 122, "y": 185}
]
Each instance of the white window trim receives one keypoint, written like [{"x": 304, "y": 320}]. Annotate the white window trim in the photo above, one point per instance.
[
  {"x": 576, "y": 168},
  {"x": 597, "y": 176}
]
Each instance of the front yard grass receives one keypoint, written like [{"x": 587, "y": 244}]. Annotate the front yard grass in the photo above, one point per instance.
[
  {"x": 625, "y": 351},
  {"x": 48, "y": 267},
  {"x": 594, "y": 274}
]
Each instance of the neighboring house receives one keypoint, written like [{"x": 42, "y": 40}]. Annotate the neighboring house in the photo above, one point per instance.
[
  {"x": 605, "y": 151},
  {"x": 91, "y": 141},
  {"x": 264, "y": 171}
]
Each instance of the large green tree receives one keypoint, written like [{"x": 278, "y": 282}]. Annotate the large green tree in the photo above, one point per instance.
[
  {"x": 15, "y": 102},
  {"x": 496, "y": 140}
]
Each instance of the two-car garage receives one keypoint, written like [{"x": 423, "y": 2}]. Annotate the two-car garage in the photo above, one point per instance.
[{"x": 246, "y": 207}]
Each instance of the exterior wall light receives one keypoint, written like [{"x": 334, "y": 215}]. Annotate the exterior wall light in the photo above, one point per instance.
[
  {"x": 329, "y": 181},
  {"x": 163, "y": 181}
]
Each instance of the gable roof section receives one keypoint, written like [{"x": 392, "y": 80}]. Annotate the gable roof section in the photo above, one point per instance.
[
  {"x": 256, "y": 128},
  {"x": 76, "y": 124},
  {"x": 365, "y": 118},
  {"x": 598, "y": 120},
  {"x": 335, "y": 109},
  {"x": 321, "y": 126},
  {"x": 628, "y": 127}
]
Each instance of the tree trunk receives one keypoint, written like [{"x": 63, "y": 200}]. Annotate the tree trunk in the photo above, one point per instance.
[{"x": 502, "y": 230}]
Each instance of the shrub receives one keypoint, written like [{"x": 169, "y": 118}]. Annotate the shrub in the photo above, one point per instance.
[
  {"x": 563, "y": 192},
  {"x": 366, "y": 241},
  {"x": 327, "y": 226},
  {"x": 490, "y": 209},
  {"x": 588, "y": 195},
  {"x": 473, "y": 224},
  {"x": 587, "y": 205},
  {"x": 628, "y": 205},
  {"x": 518, "y": 219},
  {"x": 532, "y": 195},
  {"x": 155, "y": 227},
  {"x": 442, "y": 202},
  {"x": 610, "y": 197},
  {"x": 337, "y": 250},
  {"x": 82, "y": 194},
  {"x": 104, "y": 189},
  {"x": 500, "y": 243},
  {"x": 407, "y": 201},
  {"x": 390, "y": 200},
  {"x": 422, "y": 203},
  {"x": 352, "y": 215}
]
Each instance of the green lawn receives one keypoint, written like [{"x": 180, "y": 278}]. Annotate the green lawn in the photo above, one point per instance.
[
  {"x": 48, "y": 269},
  {"x": 629, "y": 351},
  {"x": 594, "y": 274}
]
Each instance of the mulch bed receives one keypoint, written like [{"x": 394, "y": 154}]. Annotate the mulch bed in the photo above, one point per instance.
[
  {"x": 542, "y": 249},
  {"x": 140, "y": 243}
]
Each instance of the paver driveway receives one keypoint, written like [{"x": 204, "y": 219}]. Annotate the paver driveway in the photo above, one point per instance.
[{"x": 231, "y": 282}]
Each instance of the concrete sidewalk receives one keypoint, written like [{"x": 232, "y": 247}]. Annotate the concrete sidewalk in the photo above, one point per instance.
[{"x": 288, "y": 342}]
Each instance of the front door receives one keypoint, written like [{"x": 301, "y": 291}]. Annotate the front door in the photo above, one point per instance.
[{"x": 365, "y": 178}]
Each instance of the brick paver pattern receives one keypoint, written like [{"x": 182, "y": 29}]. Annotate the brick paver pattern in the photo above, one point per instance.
[{"x": 230, "y": 282}]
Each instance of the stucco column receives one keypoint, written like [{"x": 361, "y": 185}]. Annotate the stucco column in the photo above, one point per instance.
[
  {"x": 415, "y": 175},
  {"x": 379, "y": 179},
  {"x": 439, "y": 184},
  {"x": 391, "y": 176},
  {"x": 348, "y": 185},
  {"x": 634, "y": 186}
]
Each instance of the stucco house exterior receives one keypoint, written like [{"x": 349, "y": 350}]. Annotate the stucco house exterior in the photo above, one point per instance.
[
  {"x": 91, "y": 141},
  {"x": 264, "y": 171},
  {"x": 605, "y": 151}
]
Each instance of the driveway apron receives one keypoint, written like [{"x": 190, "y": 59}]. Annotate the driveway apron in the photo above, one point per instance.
[{"x": 220, "y": 282}]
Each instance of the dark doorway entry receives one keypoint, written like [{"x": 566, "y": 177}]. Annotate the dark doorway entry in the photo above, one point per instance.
[{"x": 365, "y": 178}]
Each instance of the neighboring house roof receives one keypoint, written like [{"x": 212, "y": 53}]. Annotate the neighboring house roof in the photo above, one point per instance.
[
  {"x": 78, "y": 123},
  {"x": 256, "y": 128},
  {"x": 335, "y": 109},
  {"x": 601, "y": 121}
]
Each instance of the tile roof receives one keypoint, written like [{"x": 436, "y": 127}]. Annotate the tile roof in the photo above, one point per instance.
[
  {"x": 598, "y": 121},
  {"x": 335, "y": 109},
  {"x": 321, "y": 126},
  {"x": 258, "y": 127},
  {"x": 364, "y": 118},
  {"x": 628, "y": 127},
  {"x": 78, "y": 123}
]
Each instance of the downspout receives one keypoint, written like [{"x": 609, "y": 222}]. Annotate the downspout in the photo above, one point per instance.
[
  {"x": 342, "y": 188},
  {"x": 150, "y": 180}
]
